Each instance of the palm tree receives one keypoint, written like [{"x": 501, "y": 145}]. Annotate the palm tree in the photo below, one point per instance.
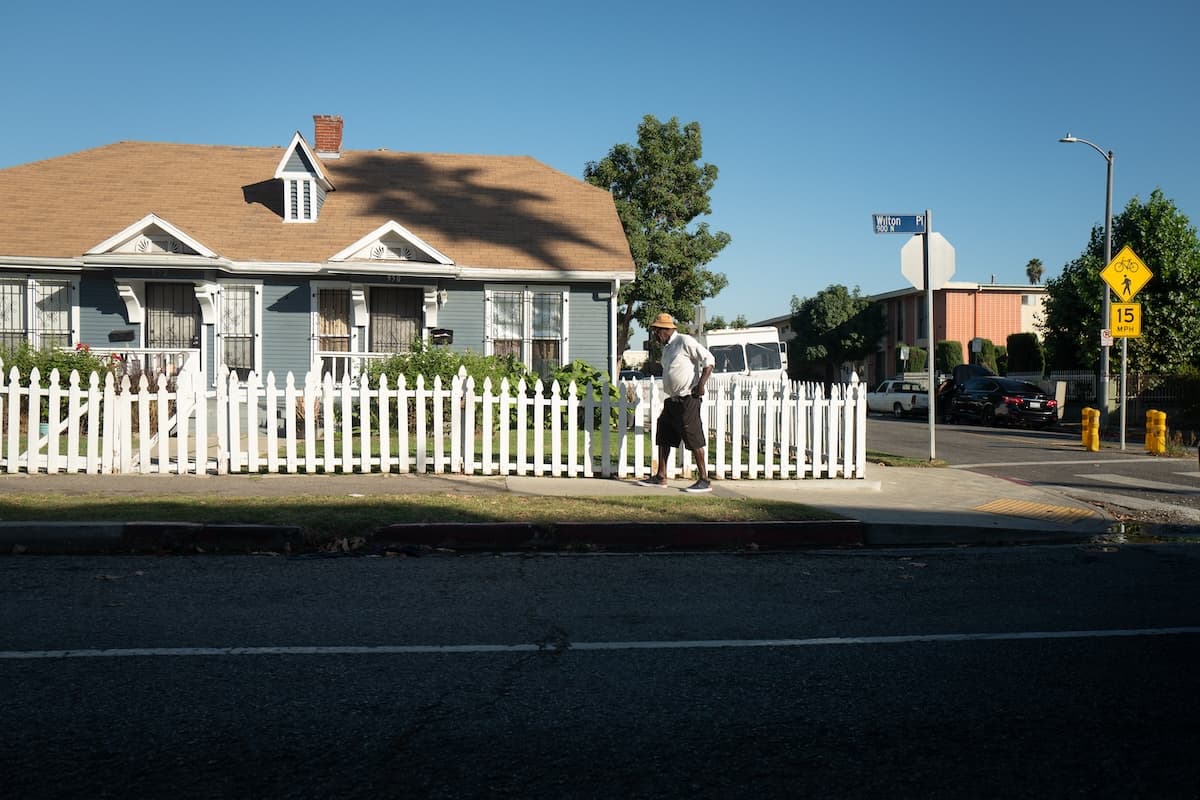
[{"x": 1034, "y": 270}]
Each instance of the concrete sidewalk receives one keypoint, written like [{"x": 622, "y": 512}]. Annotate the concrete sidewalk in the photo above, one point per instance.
[{"x": 892, "y": 506}]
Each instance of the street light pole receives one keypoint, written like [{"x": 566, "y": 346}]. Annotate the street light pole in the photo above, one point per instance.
[{"x": 1105, "y": 313}]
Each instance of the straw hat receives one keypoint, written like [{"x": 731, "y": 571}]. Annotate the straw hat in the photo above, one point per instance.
[{"x": 663, "y": 321}]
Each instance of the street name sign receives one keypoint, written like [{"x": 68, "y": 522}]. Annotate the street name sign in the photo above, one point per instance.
[
  {"x": 1126, "y": 320},
  {"x": 898, "y": 223},
  {"x": 1126, "y": 274}
]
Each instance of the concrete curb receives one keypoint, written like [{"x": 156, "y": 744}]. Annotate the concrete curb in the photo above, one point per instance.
[
  {"x": 623, "y": 535},
  {"x": 62, "y": 538}
]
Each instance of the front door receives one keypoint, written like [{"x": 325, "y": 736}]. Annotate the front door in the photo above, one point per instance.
[
  {"x": 172, "y": 317},
  {"x": 396, "y": 319},
  {"x": 333, "y": 335}
]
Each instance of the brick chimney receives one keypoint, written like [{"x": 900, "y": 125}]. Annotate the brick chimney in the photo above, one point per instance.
[{"x": 327, "y": 135}]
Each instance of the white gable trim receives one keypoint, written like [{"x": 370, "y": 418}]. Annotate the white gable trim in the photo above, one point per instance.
[
  {"x": 391, "y": 226},
  {"x": 298, "y": 141},
  {"x": 140, "y": 227}
]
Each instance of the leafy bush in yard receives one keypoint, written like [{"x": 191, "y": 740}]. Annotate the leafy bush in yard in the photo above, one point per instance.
[
  {"x": 433, "y": 361},
  {"x": 588, "y": 381},
  {"x": 25, "y": 358}
]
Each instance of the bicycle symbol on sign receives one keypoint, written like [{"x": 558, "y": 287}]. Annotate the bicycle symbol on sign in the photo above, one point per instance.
[{"x": 1129, "y": 266}]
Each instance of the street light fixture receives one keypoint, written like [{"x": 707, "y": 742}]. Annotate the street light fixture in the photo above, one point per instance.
[{"x": 1105, "y": 313}]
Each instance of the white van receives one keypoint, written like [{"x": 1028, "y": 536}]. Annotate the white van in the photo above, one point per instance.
[{"x": 751, "y": 352}]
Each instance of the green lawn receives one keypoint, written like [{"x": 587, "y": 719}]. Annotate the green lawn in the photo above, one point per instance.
[{"x": 324, "y": 518}]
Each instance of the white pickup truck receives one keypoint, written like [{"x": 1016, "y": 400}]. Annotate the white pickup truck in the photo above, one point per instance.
[{"x": 898, "y": 397}]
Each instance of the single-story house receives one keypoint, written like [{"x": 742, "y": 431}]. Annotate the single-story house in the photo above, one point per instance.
[{"x": 307, "y": 257}]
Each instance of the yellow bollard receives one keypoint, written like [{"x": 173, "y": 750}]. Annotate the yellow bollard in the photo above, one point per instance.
[
  {"x": 1091, "y": 429},
  {"x": 1156, "y": 432}
]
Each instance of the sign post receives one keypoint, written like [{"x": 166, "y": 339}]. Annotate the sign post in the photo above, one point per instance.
[
  {"x": 936, "y": 266},
  {"x": 1125, "y": 275}
]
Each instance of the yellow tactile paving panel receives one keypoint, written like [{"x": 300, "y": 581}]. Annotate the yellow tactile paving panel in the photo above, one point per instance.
[{"x": 1024, "y": 508}]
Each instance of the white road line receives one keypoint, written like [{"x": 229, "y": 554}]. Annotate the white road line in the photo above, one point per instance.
[
  {"x": 389, "y": 650},
  {"x": 1075, "y": 461},
  {"x": 1141, "y": 483}
]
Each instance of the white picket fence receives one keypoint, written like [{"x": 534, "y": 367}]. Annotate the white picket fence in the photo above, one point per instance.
[{"x": 755, "y": 429}]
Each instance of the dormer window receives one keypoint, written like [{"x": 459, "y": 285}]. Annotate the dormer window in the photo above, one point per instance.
[
  {"x": 304, "y": 182},
  {"x": 298, "y": 202}
]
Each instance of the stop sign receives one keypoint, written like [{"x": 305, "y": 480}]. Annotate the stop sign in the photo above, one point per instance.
[{"x": 941, "y": 261}]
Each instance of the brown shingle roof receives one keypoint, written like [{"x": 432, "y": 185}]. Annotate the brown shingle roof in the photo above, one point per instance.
[{"x": 482, "y": 211}]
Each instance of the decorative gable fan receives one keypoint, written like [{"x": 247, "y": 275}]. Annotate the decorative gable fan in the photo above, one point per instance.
[
  {"x": 394, "y": 250},
  {"x": 155, "y": 243},
  {"x": 152, "y": 236},
  {"x": 392, "y": 242}
]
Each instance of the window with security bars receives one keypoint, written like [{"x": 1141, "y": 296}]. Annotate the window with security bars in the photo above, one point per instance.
[
  {"x": 333, "y": 331},
  {"x": 397, "y": 316},
  {"x": 508, "y": 323},
  {"x": 12, "y": 314},
  {"x": 529, "y": 325},
  {"x": 238, "y": 326},
  {"x": 37, "y": 311},
  {"x": 172, "y": 316},
  {"x": 547, "y": 334}
]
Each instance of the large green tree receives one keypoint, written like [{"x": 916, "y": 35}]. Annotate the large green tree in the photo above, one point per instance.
[
  {"x": 1166, "y": 241},
  {"x": 660, "y": 188},
  {"x": 834, "y": 327}
]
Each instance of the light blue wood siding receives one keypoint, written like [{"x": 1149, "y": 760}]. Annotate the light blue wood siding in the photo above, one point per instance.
[
  {"x": 286, "y": 329},
  {"x": 102, "y": 311},
  {"x": 298, "y": 163},
  {"x": 590, "y": 325},
  {"x": 463, "y": 313}
]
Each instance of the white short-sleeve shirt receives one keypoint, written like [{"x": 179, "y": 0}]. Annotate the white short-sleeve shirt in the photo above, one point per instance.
[{"x": 683, "y": 359}]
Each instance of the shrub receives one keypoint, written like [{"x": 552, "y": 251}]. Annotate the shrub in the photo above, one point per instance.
[
  {"x": 917, "y": 359},
  {"x": 1026, "y": 353},
  {"x": 588, "y": 381},
  {"x": 433, "y": 361},
  {"x": 25, "y": 358},
  {"x": 948, "y": 354}
]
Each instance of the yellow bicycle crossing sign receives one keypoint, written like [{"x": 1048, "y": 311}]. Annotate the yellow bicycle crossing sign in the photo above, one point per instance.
[{"x": 1126, "y": 274}]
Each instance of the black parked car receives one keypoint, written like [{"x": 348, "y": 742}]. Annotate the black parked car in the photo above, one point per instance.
[{"x": 991, "y": 400}]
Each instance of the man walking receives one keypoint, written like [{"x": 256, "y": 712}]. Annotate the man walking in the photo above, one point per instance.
[{"x": 687, "y": 364}]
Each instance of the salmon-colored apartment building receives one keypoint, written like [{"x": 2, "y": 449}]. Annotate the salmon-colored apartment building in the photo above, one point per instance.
[{"x": 961, "y": 312}]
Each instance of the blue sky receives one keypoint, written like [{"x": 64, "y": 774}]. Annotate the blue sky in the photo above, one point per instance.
[{"x": 816, "y": 114}]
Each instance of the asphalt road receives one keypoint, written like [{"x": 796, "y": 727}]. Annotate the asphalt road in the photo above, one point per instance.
[
  {"x": 958, "y": 672},
  {"x": 1131, "y": 483}
]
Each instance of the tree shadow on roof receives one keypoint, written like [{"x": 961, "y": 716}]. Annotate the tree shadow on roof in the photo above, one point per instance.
[{"x": 518, "y": 204}]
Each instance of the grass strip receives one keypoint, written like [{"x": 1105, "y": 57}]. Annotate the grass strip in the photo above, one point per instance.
[{"x": 320, "y": 517}]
